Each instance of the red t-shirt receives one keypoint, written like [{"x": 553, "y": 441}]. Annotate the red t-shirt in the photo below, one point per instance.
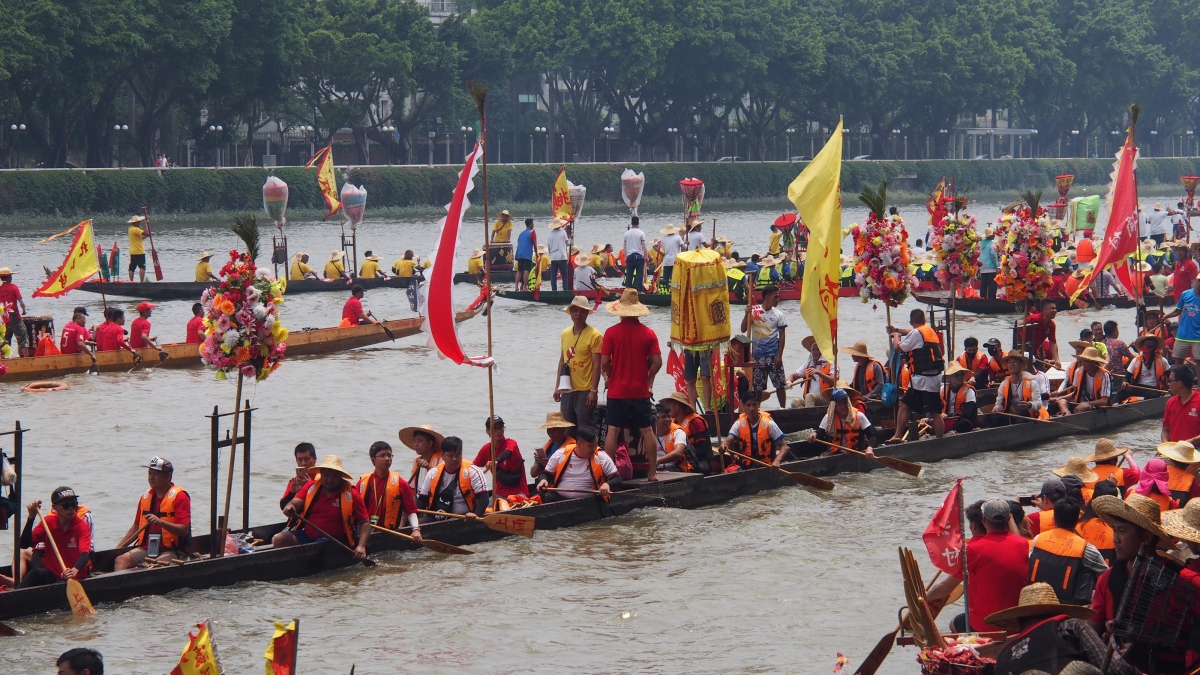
[
  {"x": 9, "y": 295},
  {"x": 1182, "y": 420},
  {"x": 515, "y": 464},
  {"x": 75, "y": 540},
  {"x": 195, "y": 330},
  {"x": 352, "y": 310},
  {"x": 110, "y": 337},
  {"x": 71, "y": 334},
  {"x": 326, "y": 513},
  {"x": 1185, "y": 274},
  {"x": 1041, "y": 331},
  {"x": 629, "y": 344},
  {"x": 375, "y": 497},
  {"x": 183, "y": 512},
  {"x": 139, "y": 327},
  {"x": 998, "y": 563}
]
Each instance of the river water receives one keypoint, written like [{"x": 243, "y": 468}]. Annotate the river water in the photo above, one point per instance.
[{"x": 777, "y": 582}]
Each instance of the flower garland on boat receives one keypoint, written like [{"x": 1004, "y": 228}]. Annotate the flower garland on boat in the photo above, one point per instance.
[
  {"x": 1026, "y": 252},
  {"x": 882, "y": 253},
  {"x": 957, "y": 244},
  {"x": 242, "y": 330}
]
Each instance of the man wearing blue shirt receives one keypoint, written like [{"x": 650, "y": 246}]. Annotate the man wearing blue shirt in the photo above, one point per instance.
[
  {"x": 1187, "y": 338},
  {"x": 526, "y": 245}
]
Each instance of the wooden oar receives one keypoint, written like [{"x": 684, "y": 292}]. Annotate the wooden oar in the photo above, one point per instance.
[
  {"x": 884, "y": 646},
  {"x": 133, "y": 537},
  {"x": 910, "y": 468},
  {"x": 504, "y": 521},
  {"x": 430, "y": 544},
  {"x": 1138, "y": 386},
  {"x": 798, "y": 477},
  {"x": 8, "y": 631},
  {"x": 367, "y": 562},
  {"x": 383, "y": 325},
  {"x": 76, "y": 597},
  {"x": 590, "y": 492},
  {"x": 1037, "y": 419}
]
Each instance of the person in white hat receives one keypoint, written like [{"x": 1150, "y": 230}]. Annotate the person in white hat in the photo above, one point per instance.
[
  {"x": 336, "y": 268},
  {"x": 672, "y": 244},
  {"x": 204, "y": 270},
  {"x": 332, "y": 506},
  {"x": 370, "y": 268},
  {"x": 578, "y": 362},
  {"x": 137, "y": 247},
  {"x": 13, "y": 304},
  {"x": 300, "y": 269},
  {"x": 557, "y": 246}
]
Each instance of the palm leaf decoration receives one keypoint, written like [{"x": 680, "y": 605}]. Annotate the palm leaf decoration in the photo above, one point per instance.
[
  {"x": 247, "y": 230},
  {"x": 479, "y": 92},
  {"x": 875, "y": 198},
  {"x": 1032, "y": 198}
]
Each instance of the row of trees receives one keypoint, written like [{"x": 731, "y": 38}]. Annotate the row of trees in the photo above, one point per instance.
[{"x": 663, "y": 73}]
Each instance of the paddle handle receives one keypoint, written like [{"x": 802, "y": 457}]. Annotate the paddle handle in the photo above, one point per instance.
[
  {"x": 1137, "y": 386},
  {"x": 1038, "y": 419},
  {"x": 441, "y": 513},
  {"x": 398, "y": 534},
  {"x": 756, "y": 461},
  {"x": 133, "y": 537},
  {"x": 50, "y": 538},
  {"x": 551, "y": 489},
  {"x": 324, "y": 533},
  {"x": 842, "y": 447}
]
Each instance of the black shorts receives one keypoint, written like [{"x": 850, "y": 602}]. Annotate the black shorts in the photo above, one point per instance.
[
  {"x": 923, "y": 401},
  {"x": 629, "y": 413},
  {"x": 524, "y": 265},
  {"x": 136, "y": 261}
]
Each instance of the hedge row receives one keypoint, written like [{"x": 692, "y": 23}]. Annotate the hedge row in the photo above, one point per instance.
[{"x": 74, "y": 192}]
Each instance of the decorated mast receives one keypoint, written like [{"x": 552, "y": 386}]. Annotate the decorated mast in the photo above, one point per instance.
[
  {"x": 1025, "y": 257},
  {"x": 956, "y": 242},
  {"x": 1189, "y": 203}
]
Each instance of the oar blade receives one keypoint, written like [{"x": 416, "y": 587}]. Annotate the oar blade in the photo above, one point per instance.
[
  {"x": 81, "y": 605},
  {"x": 510, "y": 523},
  {"x": 898, "y": 464},
  {"x": 878, "y": 654},
  {"x": 808, "y": 481},
  {"x": 442, "y": 547}
]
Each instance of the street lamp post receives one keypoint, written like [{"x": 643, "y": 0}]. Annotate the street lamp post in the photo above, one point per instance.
[
  {"x": 536, "y": 130},
  {"x": 1153, "y": 138},
  {"x": 562, "y": 147},
  {"x": 608, "y": 132},
  {"x": 1033, "y": 143},
  {"x": 432, "y": 140},
  {"x": 788, "y": 132},
  {"x": 464, "y": 130},
  {"x": 120, "y": 129},
  {"x": 212, "y": 129},
  {"x": 671, "y": 131},
  {"x": 17, "y": 129},
  {"x": 1190, "y": 134},
  {"x": 1075, "y": 140},
  {"x": 390, "y": 131}
]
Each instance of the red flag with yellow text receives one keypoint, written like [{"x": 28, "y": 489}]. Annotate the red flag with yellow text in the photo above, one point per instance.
[
  {"x": 944, "y": 534},
  {"x": 326, "y": 180}
]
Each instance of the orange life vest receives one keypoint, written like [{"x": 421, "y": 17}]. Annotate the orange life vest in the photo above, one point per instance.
[
  {"x": 846, "y": 434},
  {"x": 1099, "y": 534},
  {"x": 345, "y": 502},
  {"x": 869, "y": 379},
  {"x": 905, "y": 376},
  {"x": 1179, "y": 482},
  {"x": 1045, "y": 520},
  {"x": 760, "y": 448},
  {"x": 464, "y": 484},
  {"x": 593, "y": 464},
  {"x": 1057, "y": 559},
  {"x": 1003, "y": 390},
  {"x": 960, "y": 398},
  {"x": 1165, "y": 503},
  {"x": 416, "y": 470},
  {"x": 1160, "y": 371},
  {"x": 1097, "y": 383},
  {"x": 1106, "y": 470},
  {"x": 809, "y": 382},
  {"x": 973, "y": 365},
  {"x": 570, "y": 443},
  {"x": 166, "y": 511},
  {"x": 928, "y": 357},
  {"x": 391, "y": 499}
]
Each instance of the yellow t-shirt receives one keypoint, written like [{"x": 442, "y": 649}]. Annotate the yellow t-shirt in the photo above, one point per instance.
[
  {"x": 136, "y": 245},
  {"x": 776, "y": 244},
  {"x": 334, "y": 270},
  {"x": 475, "y": 266},
  {"x": 598, "y": 261},
  {"x": 577, "y": 351},
  {"x": 404, "y": 268},
  {"x": 370, "y": 270},
  {"x": 543, "y": 263},
  {"x": 204, "y": 271},
  {"x": 502, "y": 231},
  {"x": 299, "y": 269}
]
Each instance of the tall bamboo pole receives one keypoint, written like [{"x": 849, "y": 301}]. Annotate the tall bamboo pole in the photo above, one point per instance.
[{"x": 479, "y": 93}]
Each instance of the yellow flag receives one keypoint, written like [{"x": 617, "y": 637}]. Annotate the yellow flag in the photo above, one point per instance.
[
  {"x": 199, "y": 656},
  {"x": 326, "y": 181},
  {"x": 817, "y": 194},
  {"x": 560, "y": 199},
  {"x": 80, "y": 265}
]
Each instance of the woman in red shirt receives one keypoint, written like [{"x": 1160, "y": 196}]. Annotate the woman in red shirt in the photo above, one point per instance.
[{"x": 509, "y": 469}]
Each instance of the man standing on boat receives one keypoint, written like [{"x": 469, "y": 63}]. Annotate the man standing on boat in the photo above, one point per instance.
[
  {"x": 389, "y": 498},
  {"x": 672, "y": 244},
  {"x": 352, "y": 311},
  {"x": 330, "y": 502},
  {"x": 12, "y": 305},
  {"x": 767, "y": 327},
  {"x": 630, "y": 358},
  {"x": 579, "y": 357},
  {"x": 924, "y": 395},
  {"x": 137, "y": 247},
  {"x": 1187, "y": 334},
  {"x": 635, "y": 254},
  {"x": 526, "y": 252},
  {"x": 989, "y": 265},
  {"x": 500, "y": 254},
  {"x": 162, "y": 527}
]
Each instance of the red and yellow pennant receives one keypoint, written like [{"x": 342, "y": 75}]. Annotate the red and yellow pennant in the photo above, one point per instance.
[
  {"x": 281, "y": 653},
  {"x": 560, "y": 199},
  {"x": 326, "y": 181},
  {"x": 80, "y": 265},
  {"x": 200, "y": 655}
]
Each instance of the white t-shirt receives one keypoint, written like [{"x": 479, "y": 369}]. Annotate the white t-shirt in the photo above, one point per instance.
[
  {"x": 952, "y": 401},
  {"x": 666, "y": 444},
  {"x": 764, "y": 330},
  {"x": 478, "y": 484},
  {"x": 635, "y": 242},
  {"x": 814, "y": 384},
  {"x": 695, "y": 240},
  {"x": 578, "y": 474},
  {"x": 556, "y": 244},
  {"x": 918, "y": 250},
  {"x": 910, "y": 343},
  {"x": 1158, "y": 222},
  {"x": 863, "y": 422},
  {"x": 672, "y": 244},
  {"x": 585, "y": 278}
]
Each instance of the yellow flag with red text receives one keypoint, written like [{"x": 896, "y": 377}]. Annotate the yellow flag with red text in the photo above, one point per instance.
[
  {"x": 817, "y": 195},
  {"x": 200, "y": 655},
  {"x": 326, "y": 181},
  {"x": 80, "y": 265},
  {"x": 560, "y": 199}
]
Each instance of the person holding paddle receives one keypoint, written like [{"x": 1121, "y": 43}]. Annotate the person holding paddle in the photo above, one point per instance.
[
  {"x": 137, "y": 247},
  {"x": 75, "y": 338},
  {"x": 454, "y": 487},
  {"x": 352, "y": 311},
  {"x": 389, "y": 499},
  {"x": 578, "y": 472},
  {"x": 72, "y": 534},
  {"x": 1147, "y": 376},
  {"x": 844, "y": 424},
  {"x": 328, "y": 506},
  {"x": 754, "y": 433},
  {"x": 139, "y": 331},
  {"x": 925, "y": 348},
  {"x": 427, "y": 443},
  {"x": 162, "y": 527},
  {"x": 110, "y": 336}
]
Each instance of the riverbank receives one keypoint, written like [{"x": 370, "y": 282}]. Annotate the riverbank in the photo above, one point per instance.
[{"x": 398, "y": 191}]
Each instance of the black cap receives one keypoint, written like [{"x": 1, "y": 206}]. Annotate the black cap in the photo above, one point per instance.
[
  {"x": 1018, "y": 513},
  {"x": 496, "y": 419},
  {"x": 1054, "y": 489},
  {"x": 1072, "y": 482},
  {"x": 81, "y": 310},
  {"x": 62, "y": 494},
  {"x": 992, "y": 343}
]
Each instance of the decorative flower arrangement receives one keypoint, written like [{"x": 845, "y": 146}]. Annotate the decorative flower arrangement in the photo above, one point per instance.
[
  {"x": 242, "y": 330},
  {"x": 957, "y": 244},
  {"x": 1026, "y": 252},
  {"x": 881, "y": 251}
]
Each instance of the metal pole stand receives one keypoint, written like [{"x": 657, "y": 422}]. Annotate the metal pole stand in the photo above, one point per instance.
[
  {"x": 279, "y": 253},
  {"x": 14, "y": 493},
  {"x": 217, "y": 548}
]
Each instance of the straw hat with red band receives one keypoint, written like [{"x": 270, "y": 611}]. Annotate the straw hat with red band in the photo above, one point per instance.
[{"x": 1036, "y": 600}]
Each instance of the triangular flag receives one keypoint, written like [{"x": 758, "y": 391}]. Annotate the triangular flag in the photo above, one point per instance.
[
  {"x": 200, "y": 655},
  {"x": 326, "y": 180},
  {"x": 560, "y": 199},
  {"x": 80, "y": 265}
]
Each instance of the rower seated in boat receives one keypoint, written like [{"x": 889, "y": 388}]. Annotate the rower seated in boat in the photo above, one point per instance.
[
  {"x": 163, "y": 522},
  {"x": 110, "y": 336},
  {"x": 1090, "y": 387},
  {"x": 754, "y": 434},
  {"x": 370, "y": 268},
  {"x": 427, "y": 443},
  {"x": 306, "y": 458},
  {"x": 204, "y": 270},
  {"x": 300, "y": 269},
  {"x": 844, "y": 424},
  {"x": 695, "y": 428},
  {"x": 335, "y": 269},
  {"x": 579, "y": 471},
  {"x": 452, "y": 486},
  {"x": 332, "y": 506},
  {"x": 816, "y": 374},
  {"x": 389, "y": 498},
  {"x": 556, "y": 429},
  {"x": 71, "y": 527},
  {"x": 1147, "y": 371},
  {"x": 352, "y": 311},
  {"x": 992, "y": 371},
  {"x": 75, "y": 338},
  {"x": 869, "y": 373},
  {"x": 670, "y": 439},
  {"x": 958, "y": 400},
  {"x": 1018, "y": 396}
]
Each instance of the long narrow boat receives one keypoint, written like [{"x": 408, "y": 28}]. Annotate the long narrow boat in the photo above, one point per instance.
[
  {"x": 183, "y": 355},
  {"x": 685, "y": 491},
  {"x": 191, "y": 290},
  {"x": 982, "y": 306}
]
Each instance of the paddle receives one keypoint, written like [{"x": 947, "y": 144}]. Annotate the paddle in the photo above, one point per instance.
[
  {"x": 798, "y": 477},
  {"x": 8, "y": 631},
  {"x": 367, "y": 562},
  {"x": 430, "y": 544},
  {"x": 504, "y": 521},
  {"x": 1038, "y": 419},
  {"x": 910, "y": 468},
  {"x": 76, "y": 596},
  {"x": 1138, "y": 386},
  {"x": 133, "y": 537},
  {"x": 553, "y": 489},
  {"x": 383, "y": 325},
  {"x": 884, "y": 646}
]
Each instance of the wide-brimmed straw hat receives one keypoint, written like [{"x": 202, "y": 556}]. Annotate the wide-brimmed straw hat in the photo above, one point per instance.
[
  {"x": 136, "y": 219},
  {"x": 682, "y": 399},
  {"x": 1037, "y": 600},
  {"x": 1178, "y": 243},
  {"x": 205, "y": 255},
  {"x": 1077, "y": 466},
  {"x": 808, "y": 342},
  {"x": 1148, "y": 246},
  {"x": 1080, "y": 344},
  {"x": 988, "y": 232},
  {"x": 1016, "y": 354},
  {"x": 542, "y": 250},
  {"x": 858, "y": 349},
  {"x": 827, "y": 392},
  {"x": 628, "y": 305},
  {"x": 1180, "y": 451},
  {"x": 1137, "y": 344},
  {"x": 329, "y": 463},
  {"x": 1092, "y": 354},
  {"x": 1183, "y": 523},
  {"x": 373, "y": 257},
  {"x": 580, "y": 302},
  {"x": 408, "y": 434},
  {"x": 4, "y": 272},
  {"x": 669, "y": 229},
  {"x": 1142, "y": 266},
  {"x": 730, "y": 263},
  {"x": 1105, "y": 449},
  {"x": 558, "y": 224},
  {"x": 1136, "y": 509},
  {"x": 955, "y": 368},
  {"x": 476, "y": 253},
  {"x": 583, "y": 259},
  {"x": 336, "y": 256},
  {"x": 1081, "y": 272},
  {"x": 554, "y": 420},
  {"x": 596, "y": 248}
]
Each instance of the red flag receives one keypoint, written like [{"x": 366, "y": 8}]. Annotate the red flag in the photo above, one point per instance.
[
  {"x": 439, "y": 322},
  {"x": 934, "y": 205},
  {"x": 944, "y": 534},
  {"x": 1121, "y": 233},
  {"x": 675, "y": 370}
]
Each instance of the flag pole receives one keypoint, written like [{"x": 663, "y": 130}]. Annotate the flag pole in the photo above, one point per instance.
[
  {"x": 479, "y": 93},
  {"x": 962, "y": 555}
]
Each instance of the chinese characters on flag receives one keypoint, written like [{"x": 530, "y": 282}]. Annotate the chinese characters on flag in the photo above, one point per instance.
[{"x": 944, "y": 534}]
